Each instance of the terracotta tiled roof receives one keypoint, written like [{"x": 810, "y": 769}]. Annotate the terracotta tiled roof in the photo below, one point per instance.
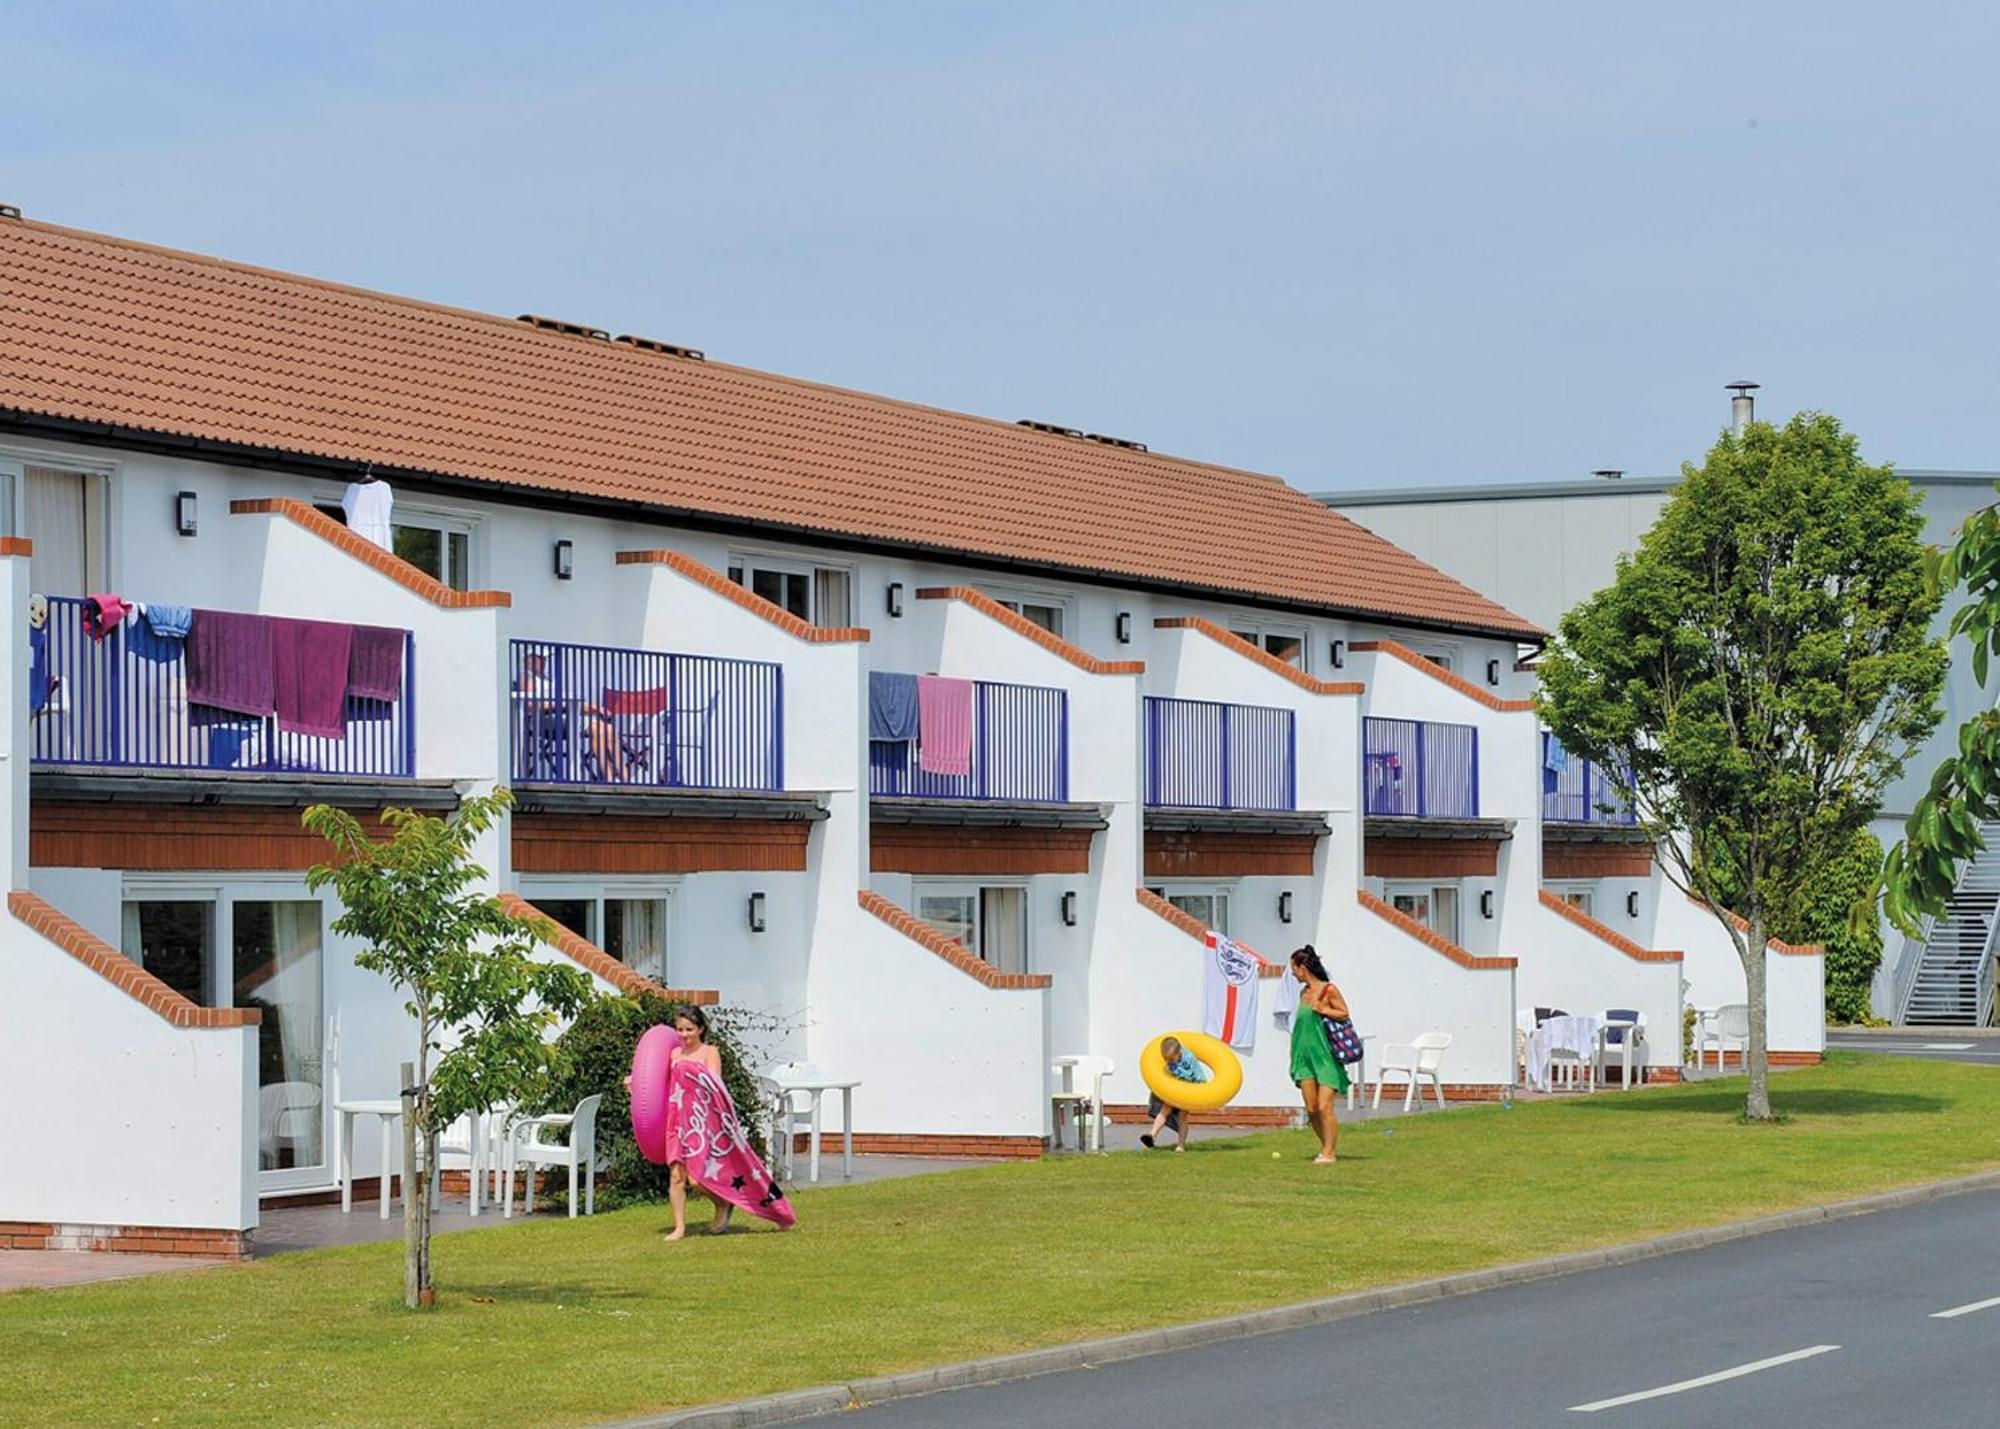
[{"x": 102, "y": 330}]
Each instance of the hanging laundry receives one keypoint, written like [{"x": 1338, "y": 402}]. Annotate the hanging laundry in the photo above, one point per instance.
[
  {"x": 944, "y": 725},
  {"x": 375, "y": 663},
  {"x": 229, "y": 662},
  {"x": 1286, "y": 1004},
  {"x": 40, "y": 684},
  {"x": 309, "y": 660},
  {"x": 892, "y": 705},
  {"x": 102, "y": 613},
  {"x": 143, "y": 641},
  {"x": 1554, "y": 756},
  {"x": 171, "y": 622},
  {"x": 367, "y": 504},
  {"x": 1229, "y": 992}
]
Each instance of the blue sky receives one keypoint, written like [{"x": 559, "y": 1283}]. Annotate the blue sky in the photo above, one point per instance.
[{"x": 1352, "y": 245}]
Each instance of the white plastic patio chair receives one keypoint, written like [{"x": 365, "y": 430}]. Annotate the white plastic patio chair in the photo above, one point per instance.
[
  {"x": 1727, "y": 1024},
  {"x": 785, "y": 1116},
  {"x": 1621, "y": 1038},
  {"x": 1079, "y": 1090},
  {"x": 287, "y": 1115},
  {"x": 525, "y": 1148},
  {"x": 471, "y": 1136},
  {"x": 1414, "y": 1060}
]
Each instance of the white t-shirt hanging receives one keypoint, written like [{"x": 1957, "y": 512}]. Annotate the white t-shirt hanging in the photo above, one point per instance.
[
  {"x": 367, "y": 505},
  {"x": 1286, "y": 1005},
  {"x": 1229, "y": 992}
]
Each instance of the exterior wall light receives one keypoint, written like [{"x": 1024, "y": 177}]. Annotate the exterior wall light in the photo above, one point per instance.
[
  {"x": 1285, "y": 906},
  {"x": 565, "y": 560},
  {"x": 1486, "y": 904},
  {"x": 184, "y": 513},
  {"x": 1069, "y": 909},
  {"x": 1492, "y": 672},
  {"x": 895, "y": 600},
  {"x": 1124, "y": 625},
  {"x": 757, "y": 912},
  {"x": 1632, "y": 905},
  {"x": 1338, "y": 653}
]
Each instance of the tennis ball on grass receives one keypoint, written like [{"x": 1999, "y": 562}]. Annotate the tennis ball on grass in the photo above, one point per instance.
[{"x": 1277, "y": 1155}]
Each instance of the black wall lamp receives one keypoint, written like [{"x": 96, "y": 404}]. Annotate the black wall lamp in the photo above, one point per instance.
[
  {"x": 1492, "y": 672},
  {"x": 1486, "y": 904},
  {"x": 1338, "y": 651},
  {"x": 1069, "y": 909},
  {"x": 1632, "y": 905},
  {"x": 1285, "y": 906},
  {"x": 184, "y": 512},
  {"x": 565, "y": 560},
  {"x": 895, "y": 600},
  {"x": 1124, "y": 627},
  {"x": 757, "y": 912}
]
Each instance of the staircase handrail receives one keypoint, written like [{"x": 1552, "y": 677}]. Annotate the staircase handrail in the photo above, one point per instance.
[
  {"x": 1909, "y": 963},
  {"x": 1984, "y": 1015}
]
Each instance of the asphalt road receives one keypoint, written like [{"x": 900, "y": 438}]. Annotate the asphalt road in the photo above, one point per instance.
[
  {"x": 1835, "y": 1325},
  {"x": 1944, "y": 1044}
]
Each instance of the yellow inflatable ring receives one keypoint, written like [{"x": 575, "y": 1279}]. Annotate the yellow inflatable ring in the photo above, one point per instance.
[{"x": 1225, "y": 1081}]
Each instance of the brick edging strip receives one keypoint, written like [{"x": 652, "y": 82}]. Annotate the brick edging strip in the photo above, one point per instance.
[
  {"x": 1086, "y": 1354},
  {"x": 316, "y": 522}
]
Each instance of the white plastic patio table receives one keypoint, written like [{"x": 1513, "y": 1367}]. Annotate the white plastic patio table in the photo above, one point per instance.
[
  {"x": 816, "y": 1089},
  {"x": 1094, "y": 1137},
  {"x": 390, "y": 1113}
]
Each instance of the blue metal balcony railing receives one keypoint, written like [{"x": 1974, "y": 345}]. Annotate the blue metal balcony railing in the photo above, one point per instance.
[
  {"x": 1205, "y": 755},
  {"x": 122, "y": 702},
  {"x": 1020, "y": 751},
  {"x": 1419, "y": 769},
  {"x": 599, "y": 714},
  {"x": 1575, "y": 791}
]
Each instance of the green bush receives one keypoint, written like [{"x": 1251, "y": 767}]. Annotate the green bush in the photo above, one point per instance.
[
  {"x": 1852, "y": 937},
  {"x": 595, "y": 1056}
]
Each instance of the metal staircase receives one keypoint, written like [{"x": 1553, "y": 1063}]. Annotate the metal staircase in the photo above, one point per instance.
[{"x": 1947, "y": 978}]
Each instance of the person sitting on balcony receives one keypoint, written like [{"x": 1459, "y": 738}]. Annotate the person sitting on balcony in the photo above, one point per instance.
[
  {"x": 544, "y": 716},
  {"x": 1315, "y": 1068}
]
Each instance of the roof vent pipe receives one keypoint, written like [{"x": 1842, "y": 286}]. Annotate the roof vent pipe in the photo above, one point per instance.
[
  {"x": 1608, "y": 473},
  {"x": 1742, "y": 407}
]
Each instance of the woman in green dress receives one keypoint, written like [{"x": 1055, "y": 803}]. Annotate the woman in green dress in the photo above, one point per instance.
[{"x": 1317, "y": 1071}]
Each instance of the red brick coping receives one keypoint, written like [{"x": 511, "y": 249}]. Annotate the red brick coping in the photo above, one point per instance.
[
  {"x": 1022, "y": 626},
  {"x": 1236, "y": 644},
  {"x": 137, "y": 1240},
  {"x": 899, "y": 1143},
  {"x": 16, "y": 546},
  {"x": 1425, "y": 936},
  {"x": 1605, "y": 935},
  {"x": 1441, "y": 675},
  {"x": 120, "y": 971},
  {"x": 369, "y": 554},
  {"x": 1192, "y": 926},
  {"x": 928, "y": 937},
  {"x": 1795, "y": 950},
  {"x": 594, "y": 959},
  {"x": 719, "y": 584}
]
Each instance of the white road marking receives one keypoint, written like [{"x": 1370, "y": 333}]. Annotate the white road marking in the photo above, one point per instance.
[
  {"x": 1954, "y": 1313},
  {"x": 1704, "y": 1381},
  {"x": 1945, "y": 1046}
]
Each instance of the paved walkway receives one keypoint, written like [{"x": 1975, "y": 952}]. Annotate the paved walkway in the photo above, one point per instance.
[{"x": 1979, "y": 1046}]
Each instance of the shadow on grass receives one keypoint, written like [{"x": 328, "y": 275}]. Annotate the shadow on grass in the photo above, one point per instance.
[
  {"x": 1807, "y": 1101},
  {"x": 520, "y": 1292}
]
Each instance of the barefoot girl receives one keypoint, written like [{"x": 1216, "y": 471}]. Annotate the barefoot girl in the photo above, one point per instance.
[
  {"x": 1314, "y": 1067},
  {"x": 706, "y": 1141}
]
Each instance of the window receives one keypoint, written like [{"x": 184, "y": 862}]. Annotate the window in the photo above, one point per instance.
[
  {"x": 630, "y": 923},
  {"x": 1436, "y": 907},
  {"x": 1438, "y": 655},
  {"x": 818, "y": 594},
  {"x": 1577, "y": 898},
  {"x": 62, "y": 512},
  {"x": 1287, "y": 643},
  {"x": 991, "y": 923},
  {"x": 174, "y": 940},
  {"x": 578, "y": 915},
  {"x": 439, "y": 546},
  {"x": 1037, "y": 608},
  {"x": 635, "y": 933},
  {"x": 1208, "y": 906}
]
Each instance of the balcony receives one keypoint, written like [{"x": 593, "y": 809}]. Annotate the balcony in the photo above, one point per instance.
[
  {"x": 1575, "y": 791},
  {"x": 1419, "y": 769},
  {"x": 1201, "y": 754},
  {"x": 612, "y": 717},
  {"x": 126, "y": 701},
  {"x": 1019, "y": 752}
]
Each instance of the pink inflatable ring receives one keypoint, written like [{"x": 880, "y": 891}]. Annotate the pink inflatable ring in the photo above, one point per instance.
[{"x": 649, "y": 1091}]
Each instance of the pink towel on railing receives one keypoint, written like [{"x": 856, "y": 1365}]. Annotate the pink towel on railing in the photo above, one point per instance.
[
  {"x": 229, "y": 662},
  {"x": 309, "y": 675},
  {"x": 944, "y": 725},
  {"x": 375, "y": 663}
]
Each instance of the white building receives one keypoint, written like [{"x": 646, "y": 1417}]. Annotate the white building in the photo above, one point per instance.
[
  {"x": 1541, "y": 547},
  {"x": 658, "y": 596}
]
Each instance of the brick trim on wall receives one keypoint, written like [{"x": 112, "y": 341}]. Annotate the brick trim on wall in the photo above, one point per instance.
[
  {"x": 1218, "y": 853},
  {"x": 901, "y": 1143},
  {"x": 928, "y": 849},
  {"x": 1568, "y": 860},
  {"x": 1795, "y": 950},
  {"x": 588, "y": 956},
  {"x": 1428, "y": 938},
  {"x": 593, "y": 844},
  {"x": 1264, "y": 1117},
  {"x": 1776, "y": 1059},
  {"x": 1430, "y": 858},
  {"x": 1237, "y": 645},
  {"x": 318, "y": 523},
  {"x": 16, "y": 546},
  {"x": 1443, "y": 676},
  {"x": 927, "y": 937},
  {"x": 719, "y": 584},
  {"x": 189, "y": 1241},
  {"x": 120, "y": 971},
  {"x": 171, "y": 838},
  {"x": 1603, "y": 934},
  {"x": 1022, "y": 626},
  {"x": 1193, "y": 926}
]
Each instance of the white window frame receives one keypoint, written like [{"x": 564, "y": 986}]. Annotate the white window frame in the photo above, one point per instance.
[
  {"x": 1409, "y": 888},
  {"x": 1258, "y": 631},
  {"x": 450, "y": 520},
  {"x": 100, "y": 513},
  {"x": 1570, "y": 892},
  {"x": 1446, "y": 657},
  {"x": 976, "y": 889},
  {"x": 750, "y": 558},
  {"x": 1014, "y": 597},
  {"x": 1222, "y": 895},
  {"x": 598, "y": 891}
]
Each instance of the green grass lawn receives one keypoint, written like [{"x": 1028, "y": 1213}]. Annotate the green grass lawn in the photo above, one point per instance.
[{"x": 597, "y": 1319}]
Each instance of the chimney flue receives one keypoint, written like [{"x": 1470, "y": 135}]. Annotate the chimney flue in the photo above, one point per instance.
[
  {"x": 1608, "y": 473},
  {"x": 1742, "y": 407}
]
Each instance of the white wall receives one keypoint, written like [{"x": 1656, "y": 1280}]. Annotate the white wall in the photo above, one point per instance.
[{"x": 1794, "y": 983}]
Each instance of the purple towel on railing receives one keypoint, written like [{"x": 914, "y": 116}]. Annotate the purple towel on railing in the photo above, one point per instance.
[
  {"x": 375, "y": 663},
  {"x": 229, "y": 662},
  {"x": 944, "y": 725},
  {"x": 309, "y": 675}
]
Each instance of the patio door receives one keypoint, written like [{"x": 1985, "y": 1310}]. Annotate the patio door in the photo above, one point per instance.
[{"x": 261, "y": 951}]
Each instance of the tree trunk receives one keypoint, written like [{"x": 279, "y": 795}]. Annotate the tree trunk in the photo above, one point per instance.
[
  {"x": 416, "y": 1205},
  {"x": 1756, "y": 1058}
]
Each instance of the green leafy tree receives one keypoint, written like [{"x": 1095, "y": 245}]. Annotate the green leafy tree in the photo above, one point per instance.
[
  {"x": 1756, "y": 673},
  {"x": 483, "y": 1007}
]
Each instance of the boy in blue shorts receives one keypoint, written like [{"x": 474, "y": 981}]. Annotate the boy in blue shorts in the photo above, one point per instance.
[{"x": 1182, "y": 1067}]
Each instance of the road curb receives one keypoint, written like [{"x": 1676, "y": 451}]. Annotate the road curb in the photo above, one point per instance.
[{"x": 830, "y": 1399}]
